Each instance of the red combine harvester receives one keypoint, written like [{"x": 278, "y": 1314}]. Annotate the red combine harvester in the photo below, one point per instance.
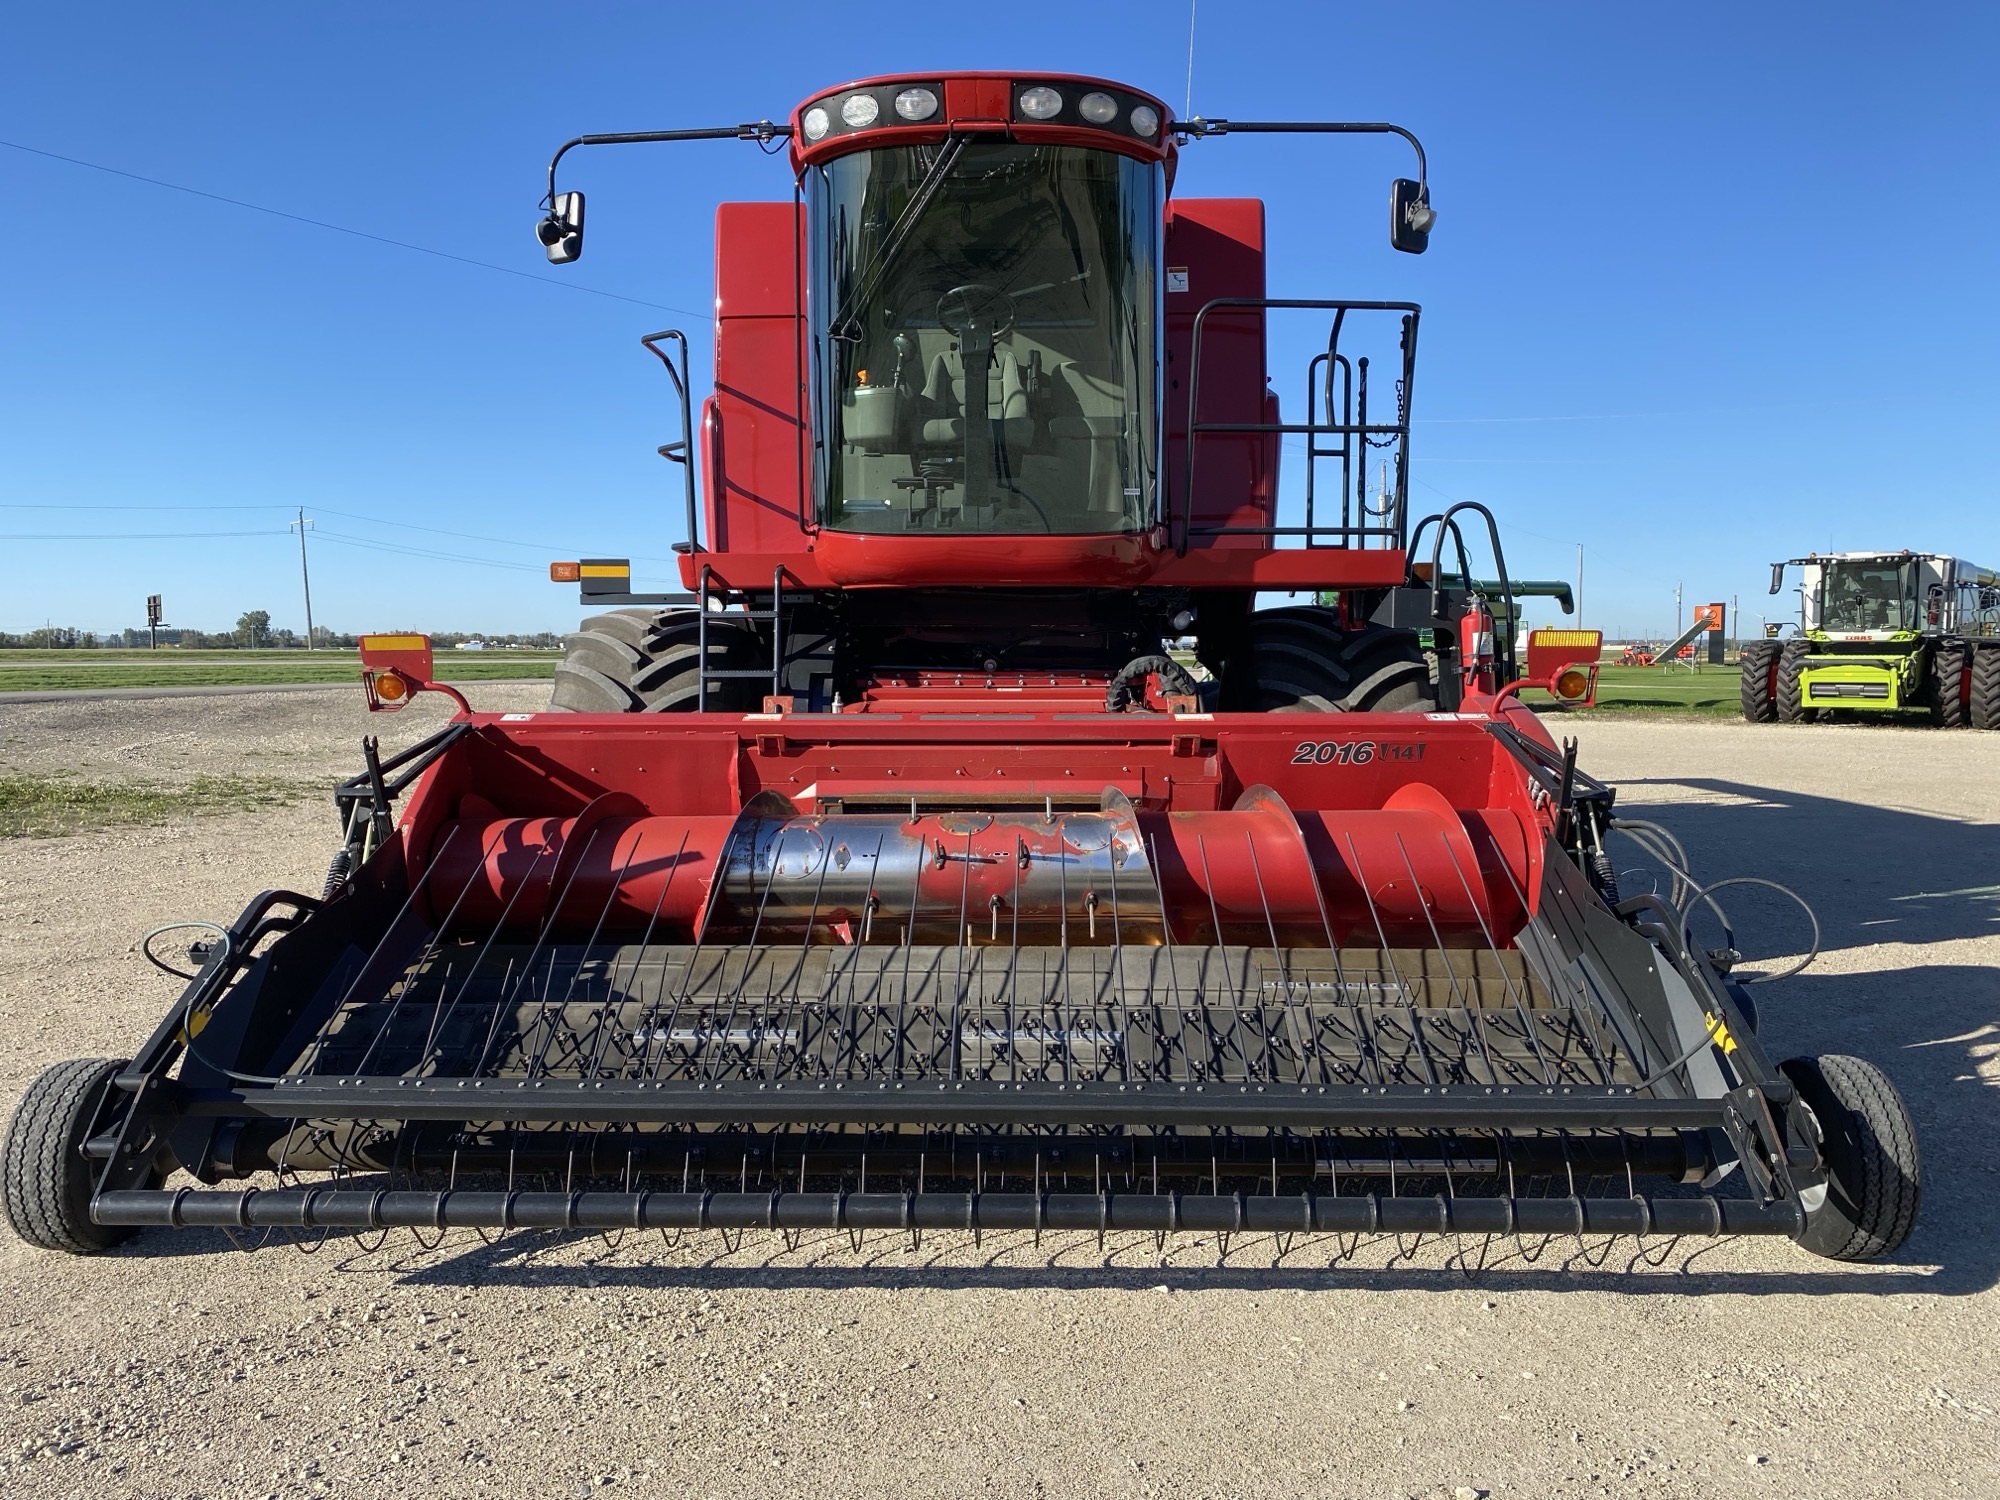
[{"x": 898, "y": 876}]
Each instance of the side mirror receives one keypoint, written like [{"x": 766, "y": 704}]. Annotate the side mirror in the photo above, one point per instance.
[
  {"x": 561, "y": 233},
  {"x": 1777, "y": 577},
  {"x": 1410, "y": 216}
]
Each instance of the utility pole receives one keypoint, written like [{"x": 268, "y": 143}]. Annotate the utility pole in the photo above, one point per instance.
[
  {"x": 305, "y": 577},
  {"x": 1579, "y": 585},
  {"x": 1677, "y": 611}
]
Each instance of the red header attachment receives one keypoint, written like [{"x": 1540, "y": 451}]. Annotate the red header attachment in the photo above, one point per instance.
[{"x": 395, "y": 668}]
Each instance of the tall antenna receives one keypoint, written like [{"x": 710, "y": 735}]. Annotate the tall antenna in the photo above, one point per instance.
[{"x": 1187, "y": 109}]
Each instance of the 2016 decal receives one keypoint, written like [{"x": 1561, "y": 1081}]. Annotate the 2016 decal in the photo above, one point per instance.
[{"x": 1351, "y": 752}]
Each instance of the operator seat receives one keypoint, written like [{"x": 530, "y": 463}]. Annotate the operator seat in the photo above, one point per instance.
[{"x": 1006, "y": 402}]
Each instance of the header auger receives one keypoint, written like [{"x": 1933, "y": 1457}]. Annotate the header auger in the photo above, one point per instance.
[{"x": 964, "y": 850}]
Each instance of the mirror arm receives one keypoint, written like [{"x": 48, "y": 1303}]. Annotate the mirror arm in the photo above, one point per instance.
[
  {"x": 761, "y": 131},
  {"x": 1196, "y": 128}
]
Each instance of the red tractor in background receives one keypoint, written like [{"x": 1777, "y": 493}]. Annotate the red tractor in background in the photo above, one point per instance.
[{"x": 898, "y": 877}]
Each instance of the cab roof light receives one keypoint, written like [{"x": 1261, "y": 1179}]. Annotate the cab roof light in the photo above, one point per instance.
[{"x": 1040, "y": 102}]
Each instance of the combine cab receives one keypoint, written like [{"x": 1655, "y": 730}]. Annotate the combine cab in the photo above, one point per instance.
[{"x": 898, "y": 877}]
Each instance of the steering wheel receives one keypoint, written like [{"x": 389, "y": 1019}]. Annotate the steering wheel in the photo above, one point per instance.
[{"x": 978, "y": 305}]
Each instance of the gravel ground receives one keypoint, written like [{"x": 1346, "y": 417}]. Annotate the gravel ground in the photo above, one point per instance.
[{"x": 541, "y": 1368}]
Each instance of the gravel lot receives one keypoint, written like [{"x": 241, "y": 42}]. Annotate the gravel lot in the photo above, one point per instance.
[{"x": 542, "y": 1368}]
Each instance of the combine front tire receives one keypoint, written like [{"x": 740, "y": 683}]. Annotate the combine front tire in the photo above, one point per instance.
[
  {"x": 46, "y": 1181},
  {"x": 1788, "y": 697},
  {"x": 648, "y": 661},
  {"x": 1986, "y": 687},
  {"x": 1948, "y": 685},
  {"x": 1301, "y": 660},
  {"x": 1759, "y": 661},
  {"x": 1863, "y": 1203}
]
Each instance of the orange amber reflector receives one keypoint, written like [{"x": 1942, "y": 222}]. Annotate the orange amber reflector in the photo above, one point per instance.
[
  {"x": 1572, "y": 684},
  {"x": 565, "y": 572},
  {"x": 392, "y": 687}
]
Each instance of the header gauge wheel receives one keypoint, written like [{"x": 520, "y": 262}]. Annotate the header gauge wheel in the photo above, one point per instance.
[{"x": 46, "y": 1182}]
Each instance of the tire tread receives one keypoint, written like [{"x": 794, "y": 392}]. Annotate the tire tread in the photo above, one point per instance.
[
  {"x": 1885, "y": 1178},
  {"x": 1986, "y": 686},
  {"x": 44, "y": 1186},
  {"x": 649, "y": 661},
  {"x": 1299, "y": 658},
  {"x": 1756, "y": 661}
]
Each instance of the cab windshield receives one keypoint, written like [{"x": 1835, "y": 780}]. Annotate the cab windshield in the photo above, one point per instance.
[
  {"x": 1858, "y": 596},
  {"x": 983, "y": 325}
]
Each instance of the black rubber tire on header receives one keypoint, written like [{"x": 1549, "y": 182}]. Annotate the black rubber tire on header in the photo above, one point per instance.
[
  {"x": 647, "y": 661},
  {"x": 1947, "y": 684},
  {"x": 1986, "y": 686},
  {"x": 1790, "y": 705},
  {"x": 1759, "y": 661},
  {"x": 1300, "y": 660},
  {"x": 1874, "y": 1181},
  {"x": 1128, "y": 683},
  {"x": 46, "y": 1181}
]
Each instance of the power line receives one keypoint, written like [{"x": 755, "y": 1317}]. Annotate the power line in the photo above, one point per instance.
[
  {"x": 342, "y": 539},
  {"x": 469, "y": 536},
  {"x": 63, "y": 505},
  {"x": 360, "y": 234},
  {"x": 351, "y": 515},
  {"x": 124, "y": 536},
  {"x": 1613, "y": 416}
]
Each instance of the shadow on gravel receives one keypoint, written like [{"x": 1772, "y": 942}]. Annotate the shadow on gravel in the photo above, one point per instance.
[{"x": 1873, "y": 874}]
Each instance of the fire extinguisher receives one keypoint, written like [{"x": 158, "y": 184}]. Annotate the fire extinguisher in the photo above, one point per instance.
[{"x": 1475, "y": 634}]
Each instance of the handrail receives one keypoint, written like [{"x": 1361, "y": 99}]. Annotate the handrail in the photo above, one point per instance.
[
  {"x": 681, "y": 453},
  {"x": 1354, "y": 404}
]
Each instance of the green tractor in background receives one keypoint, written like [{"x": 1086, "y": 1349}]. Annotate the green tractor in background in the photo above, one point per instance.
[{"x": 1880, "y": 632}]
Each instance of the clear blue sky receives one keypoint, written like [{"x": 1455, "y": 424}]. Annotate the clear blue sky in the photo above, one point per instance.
[{"x": 1711, "y": 284}]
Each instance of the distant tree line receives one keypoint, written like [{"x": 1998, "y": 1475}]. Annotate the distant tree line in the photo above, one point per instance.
[{"x": 253, "y": 632}]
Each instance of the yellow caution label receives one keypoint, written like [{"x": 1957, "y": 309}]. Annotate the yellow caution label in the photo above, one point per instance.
[
  {"x": 395, "y": 642},
  {"x": 605, "y": 570},
  {"x": 1719, "y": 1034},
  {"x": 1565, "y": 637}
]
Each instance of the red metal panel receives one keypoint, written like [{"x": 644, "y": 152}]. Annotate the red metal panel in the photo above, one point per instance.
[
  {"x": 864, "y": 560},
  {"x": 1217, "y": 244},
  {"x": 978, "y": 98},
  {"x": 754, "y": 430},
  {"x": 967, "y": 567}
]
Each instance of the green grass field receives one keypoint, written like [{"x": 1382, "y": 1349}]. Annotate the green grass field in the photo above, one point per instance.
[
  {"x": 47, "y": 806},
  {"x": 1712, "y": 690},
  {"x": 45, "y": 671}
]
